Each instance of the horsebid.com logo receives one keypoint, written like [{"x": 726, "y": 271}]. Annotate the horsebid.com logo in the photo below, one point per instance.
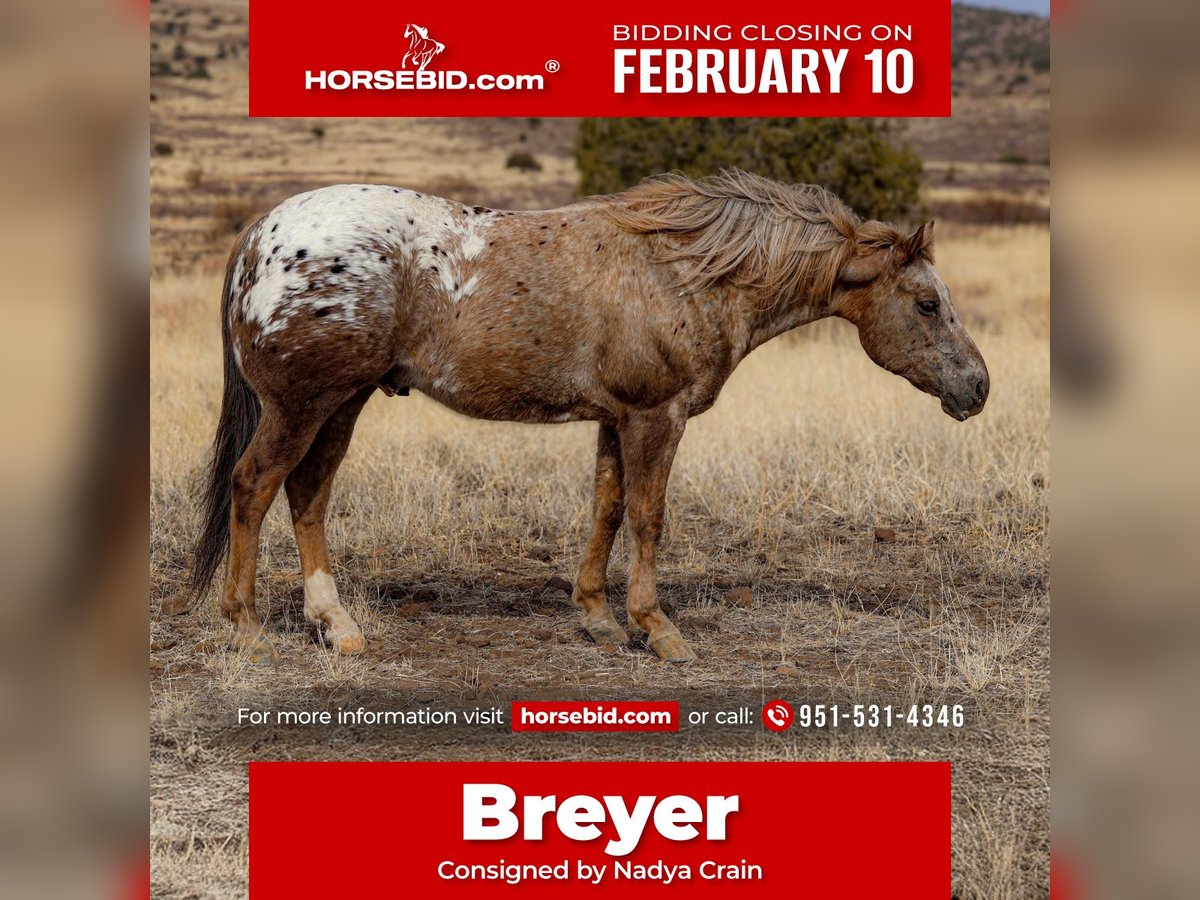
[
  {"x": 421, "y": 47},
  {"x": 413, "y": 74}
]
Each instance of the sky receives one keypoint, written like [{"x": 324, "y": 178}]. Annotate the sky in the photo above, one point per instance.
[{"x": 1041, "y": 7}]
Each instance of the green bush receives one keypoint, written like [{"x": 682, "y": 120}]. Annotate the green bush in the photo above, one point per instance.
[
  {"x": 523, "y": 160},
  {"x": 858, "y": 159}
]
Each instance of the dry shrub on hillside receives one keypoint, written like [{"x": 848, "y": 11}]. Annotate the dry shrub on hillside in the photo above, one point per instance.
[
  {"x": 990, "y": 209},
  {"x": 233, "y": 213}
]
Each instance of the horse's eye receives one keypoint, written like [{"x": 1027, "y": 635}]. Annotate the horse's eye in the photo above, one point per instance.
[{"x": 927, "y": 307}]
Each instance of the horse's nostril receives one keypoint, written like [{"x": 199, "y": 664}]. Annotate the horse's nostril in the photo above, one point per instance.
[{"x": 981, "y": 389}]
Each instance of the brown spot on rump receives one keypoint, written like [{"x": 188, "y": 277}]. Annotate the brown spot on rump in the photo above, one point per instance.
[{"x": 249, "y": 257}]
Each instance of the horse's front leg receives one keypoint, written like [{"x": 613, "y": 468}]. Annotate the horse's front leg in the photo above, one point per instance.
[
  {"x": 648, "y": 442},
  {"x": 608, "y": 510}
]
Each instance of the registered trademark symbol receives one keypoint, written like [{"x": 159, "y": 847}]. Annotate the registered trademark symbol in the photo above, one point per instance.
[{"x": 552, "y": 65}]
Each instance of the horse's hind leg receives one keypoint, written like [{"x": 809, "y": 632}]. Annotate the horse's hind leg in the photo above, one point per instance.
[
  {"x": 608, "y": 510},
  {"x": 279, "y": 443},
  {"x": 308, "y": 488},
  {"x": 648, "y": 442}
]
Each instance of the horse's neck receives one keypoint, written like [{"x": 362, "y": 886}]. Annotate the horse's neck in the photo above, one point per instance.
[{"x": 761, "y": 319}]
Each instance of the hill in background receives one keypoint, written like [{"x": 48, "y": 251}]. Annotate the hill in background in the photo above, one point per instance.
[{"x": 1001, "y": 91}]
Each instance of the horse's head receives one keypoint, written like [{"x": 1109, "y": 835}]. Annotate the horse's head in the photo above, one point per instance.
[
  {"x": 411, "y": 30},
  {"x": 891, "y": 291}
]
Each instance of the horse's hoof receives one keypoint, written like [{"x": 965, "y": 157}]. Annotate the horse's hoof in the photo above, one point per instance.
[
  {"x": 607, "y": 631},
  {"x": 177, "y": 604},
  {"x": 670, "y": 646},
  {"x": 348, "y": 643},
  {"x": 257, "y": 650}
]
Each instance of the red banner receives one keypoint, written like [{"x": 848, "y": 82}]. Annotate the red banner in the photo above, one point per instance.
[
  {"x": 375, "y": 58},
  {"x": 563, "y": 830}
]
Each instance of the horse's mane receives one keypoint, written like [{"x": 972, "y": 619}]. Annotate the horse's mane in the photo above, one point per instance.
[{"x": 787, "y": 239}]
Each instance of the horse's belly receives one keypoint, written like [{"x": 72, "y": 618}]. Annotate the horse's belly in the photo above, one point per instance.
[
  {"x": 492, "y": 363},
  {"x": 514, "y": 407},
  {"x": 499, "y": 396}
]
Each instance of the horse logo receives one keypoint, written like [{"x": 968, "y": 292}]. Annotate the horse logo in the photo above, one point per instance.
[{"x": 421, "y": 47}]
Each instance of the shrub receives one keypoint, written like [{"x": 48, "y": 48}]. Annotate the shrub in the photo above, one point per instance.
[
  {"x": 991, "y": 208},
  {"x": 1013, "y": 159},
  {"x": 858, "y": 159},
  {"x": 163, "y": 148},
  {"x": 523, "y": 160},
  {"x": 232, "y": 214},
  {"x": 318, "y": 131},
  {"x": 199, "y": 68}
]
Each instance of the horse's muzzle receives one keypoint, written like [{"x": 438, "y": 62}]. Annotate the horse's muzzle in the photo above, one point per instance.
[{"x": 963, "y": 405}]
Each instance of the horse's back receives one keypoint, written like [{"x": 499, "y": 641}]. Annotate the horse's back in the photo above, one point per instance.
[{"x": 531, "y": 316}]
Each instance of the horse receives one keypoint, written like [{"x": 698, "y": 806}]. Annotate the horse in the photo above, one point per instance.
[
  {"x": 421, "y": 48},
  {"x": 630, "y": 310}
]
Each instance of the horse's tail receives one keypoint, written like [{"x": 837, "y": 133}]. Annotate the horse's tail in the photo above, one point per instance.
[{"x": 240, "y": 411}]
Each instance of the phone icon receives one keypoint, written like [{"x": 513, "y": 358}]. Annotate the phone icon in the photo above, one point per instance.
[{"x": 777, "y": 715}]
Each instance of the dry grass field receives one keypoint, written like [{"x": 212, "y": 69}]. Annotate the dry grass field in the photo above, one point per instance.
[{"x": 454, "y": 541}]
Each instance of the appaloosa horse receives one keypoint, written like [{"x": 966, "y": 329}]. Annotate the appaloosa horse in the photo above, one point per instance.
[{"x": 628, "y": 310}]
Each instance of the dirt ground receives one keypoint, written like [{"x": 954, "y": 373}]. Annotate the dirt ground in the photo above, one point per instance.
[{"x": 454, "y": 541}]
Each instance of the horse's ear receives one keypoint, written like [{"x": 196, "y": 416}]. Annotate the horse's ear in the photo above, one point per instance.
[
  {"x": 867, "y": 264},
  {"x": 918, "y": 245}
]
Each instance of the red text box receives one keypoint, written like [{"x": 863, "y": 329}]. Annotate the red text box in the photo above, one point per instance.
[
  {"x": 866, "y": 58},
  {"x": 600, "y": 715},
  {"x": 336, "y": 829}
]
